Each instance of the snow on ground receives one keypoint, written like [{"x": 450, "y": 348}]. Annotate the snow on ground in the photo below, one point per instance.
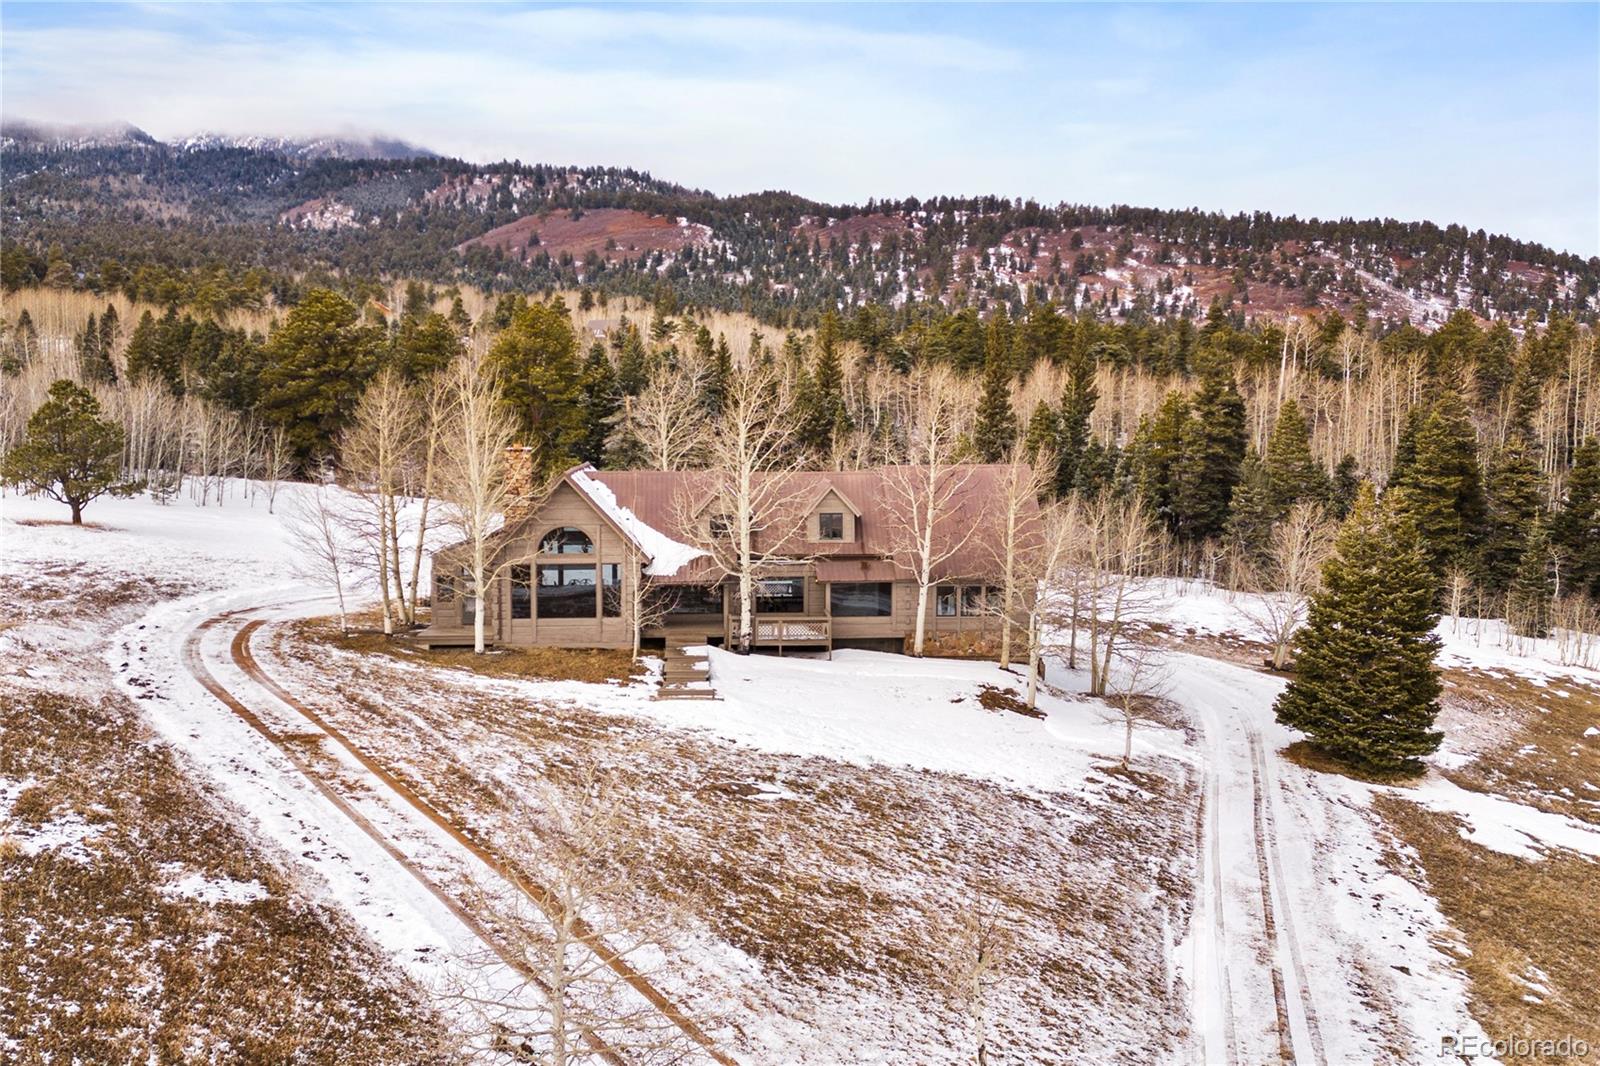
[{"x": 807, "y": 749}]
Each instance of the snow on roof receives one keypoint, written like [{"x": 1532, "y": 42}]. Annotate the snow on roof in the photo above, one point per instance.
[{"x": 667, "y": 556}]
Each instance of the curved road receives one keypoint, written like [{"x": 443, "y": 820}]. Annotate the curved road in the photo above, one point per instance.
[{"x": 402, "y": 798}]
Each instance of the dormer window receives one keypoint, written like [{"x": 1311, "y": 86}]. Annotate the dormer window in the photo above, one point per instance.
[
  {"x": 721, "y": 526},
  {"x": 830, "y": 525}
]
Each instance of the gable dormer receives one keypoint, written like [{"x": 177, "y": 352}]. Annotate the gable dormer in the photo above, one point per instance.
[{"x": 832, "y": 518}]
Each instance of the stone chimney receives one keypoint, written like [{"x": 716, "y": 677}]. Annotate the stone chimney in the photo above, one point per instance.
[{"x": 519, "y": 483}]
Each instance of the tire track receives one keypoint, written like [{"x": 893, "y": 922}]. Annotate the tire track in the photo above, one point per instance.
[
  {"x": 536, "y": 893},
  {"x": 1283, "y": 931},
  {"x": 1212, "y": 857}
]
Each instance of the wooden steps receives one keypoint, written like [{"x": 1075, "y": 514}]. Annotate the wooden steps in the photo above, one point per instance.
[{"x": 685, "y": 676}]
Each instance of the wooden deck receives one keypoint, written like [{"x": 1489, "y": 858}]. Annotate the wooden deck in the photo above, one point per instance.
[{"x": 786, "y": 631}]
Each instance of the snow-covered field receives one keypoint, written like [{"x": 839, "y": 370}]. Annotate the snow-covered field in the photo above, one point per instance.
[{"x": 823, "y": 836}]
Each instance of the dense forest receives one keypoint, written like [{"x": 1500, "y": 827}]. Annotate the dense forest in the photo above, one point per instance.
[
  {"x": 229, "y": 338},
  {"x": 213, "y": 225}
]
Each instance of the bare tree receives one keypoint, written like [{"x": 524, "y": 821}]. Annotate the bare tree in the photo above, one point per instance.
[
  {"x": 1052, "y": 610},
  {"x": 277, "y": 463},
  {"x": 980, "y": 944},
  {"x": 424, "y": 465},
  {"x": 665, "y": 420},
  {"x": 1288, "y": 577},
  {"x": 1015, "y": 534},
  {"x": 642, "y": 606},
  {"x": 1119, "y": 545},
  {"x": 741, "y": 512},
  {"x": 578, "y": 944},
  {"x": 315, "y": 522},
  {"x": 383, "y": 434},
  {"x": 925, "y": 494},
  {"x": 473, "y": 482},
  {"x": 1140, "y": 677}
]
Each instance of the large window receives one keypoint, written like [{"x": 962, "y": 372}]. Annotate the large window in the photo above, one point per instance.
[
  {"x": 566, "y": 541},
  {"x": 967, "y": 601},
  {"x": 611, "y": 590},
  {"x": 566, "y": 591},
  {"x": 693, "y": 599},
  {"x": 830, "y": 525},
  {"x": 781, "y": 595},
  {"x": 861, "y": 599},
  {"x": 522, "y": 591}
]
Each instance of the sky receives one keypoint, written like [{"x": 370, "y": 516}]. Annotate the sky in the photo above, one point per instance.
[{"x": 1487, "y": 115}]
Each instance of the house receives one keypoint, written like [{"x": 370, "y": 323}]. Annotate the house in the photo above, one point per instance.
[{"x": 568, "y": 567}]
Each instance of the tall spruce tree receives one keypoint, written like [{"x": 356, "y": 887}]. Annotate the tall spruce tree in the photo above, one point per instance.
[
  {"x": 1292, "y": 474},
  {"x": 996, "y": 429},
  {"x": 1532, "y": 586},
  {"x": 1515, "y": 501},
  {"x": 1078, "y": 398},
  {"x": 318, "y": 361},
  {"x": 1366, "y": 689},
  {"x": 1442, "y": 486},
  {"x": 1157, "y": 449},
  {"x": 1575, "y": 530},
  {"x": 1212, "y": 449}
]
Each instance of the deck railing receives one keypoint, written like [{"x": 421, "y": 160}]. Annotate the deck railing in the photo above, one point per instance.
[{"x": 788, "y": 629}]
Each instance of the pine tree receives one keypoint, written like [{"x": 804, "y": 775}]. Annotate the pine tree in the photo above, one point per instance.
[
  {"x": 718, "y": 374},
  {"x": 1366, "y": 689},
  {"x": 823, "y": 416},
  {"x": 1532, "y": 586},
  {"x": 1157, "y": 449},
  {"x": 536, "y": 360},
  {"x": 1078, "y": 398},
  {"x": 1575, "y": 530},
  {"x": 1346, "y": 483},
  {"x": 318, "y": 362},
  {"x": 1292, "y": 475},
  {"x": 68, "y": 452},
  {"x": 1442, "y": 489},
  {"x": 996, "y": 429},
  {"x": 1516, "y": 494},
  {"x": 601, "y": 401},
  {"x": 1213, "y": 446},
  {"x": 1042, "y": 432},
  {"x": 1253, "y": 511}
]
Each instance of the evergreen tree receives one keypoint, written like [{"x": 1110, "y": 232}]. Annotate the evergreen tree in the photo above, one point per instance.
[
  {"x": 424, "y": 345},
  {"x": 1575, "y": 530},
  {"x": 94, "y": 361},
  {"x": 633, "y": 364},
  {"x": 1292, "y": 475},
  {"x": 1212, "y": 449},
  {"x": 718, "y": 374},
  {"x": 318, "y": 362},
  {"x": 996, "y": 429},
  {"x": 1253, "y": 511},
  {"x": 823, "y": 416},
  {"x": 1078, "y": 398},
  {"x": 68, "y": 452},
  {"x": 1346, "y": 483},
  {"x": 1366, "y": 689},
  {"x": 536, "y": 360},
  {"x": 144, "y": 351},
  {"x": 1532, "y": 586},
  {"x": 601, "y": 401},
  {"x": 1157, "y": 449},
  {"x": 1042, "y": 432},
  {"x": 1516, "y": 494},
  {"x": 1442, "y": 487}
]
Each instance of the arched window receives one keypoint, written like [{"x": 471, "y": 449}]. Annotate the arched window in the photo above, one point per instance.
[{"x": 568, "y": 540}]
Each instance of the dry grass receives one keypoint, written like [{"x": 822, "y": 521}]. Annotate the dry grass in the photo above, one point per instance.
[
  {"x": 593, "y": 665},
  {"x": 977, "y": 644},
  {"x": 846, "y": 883},
  {"x": 1531, "y": 929},
  {"x": 98, "y": 964},
  {"x": 1542, "y": 757},
  {"x": 1305, "y": 753}
]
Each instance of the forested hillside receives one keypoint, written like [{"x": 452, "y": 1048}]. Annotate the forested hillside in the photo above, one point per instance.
[{"x": 215, "y": 223}]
